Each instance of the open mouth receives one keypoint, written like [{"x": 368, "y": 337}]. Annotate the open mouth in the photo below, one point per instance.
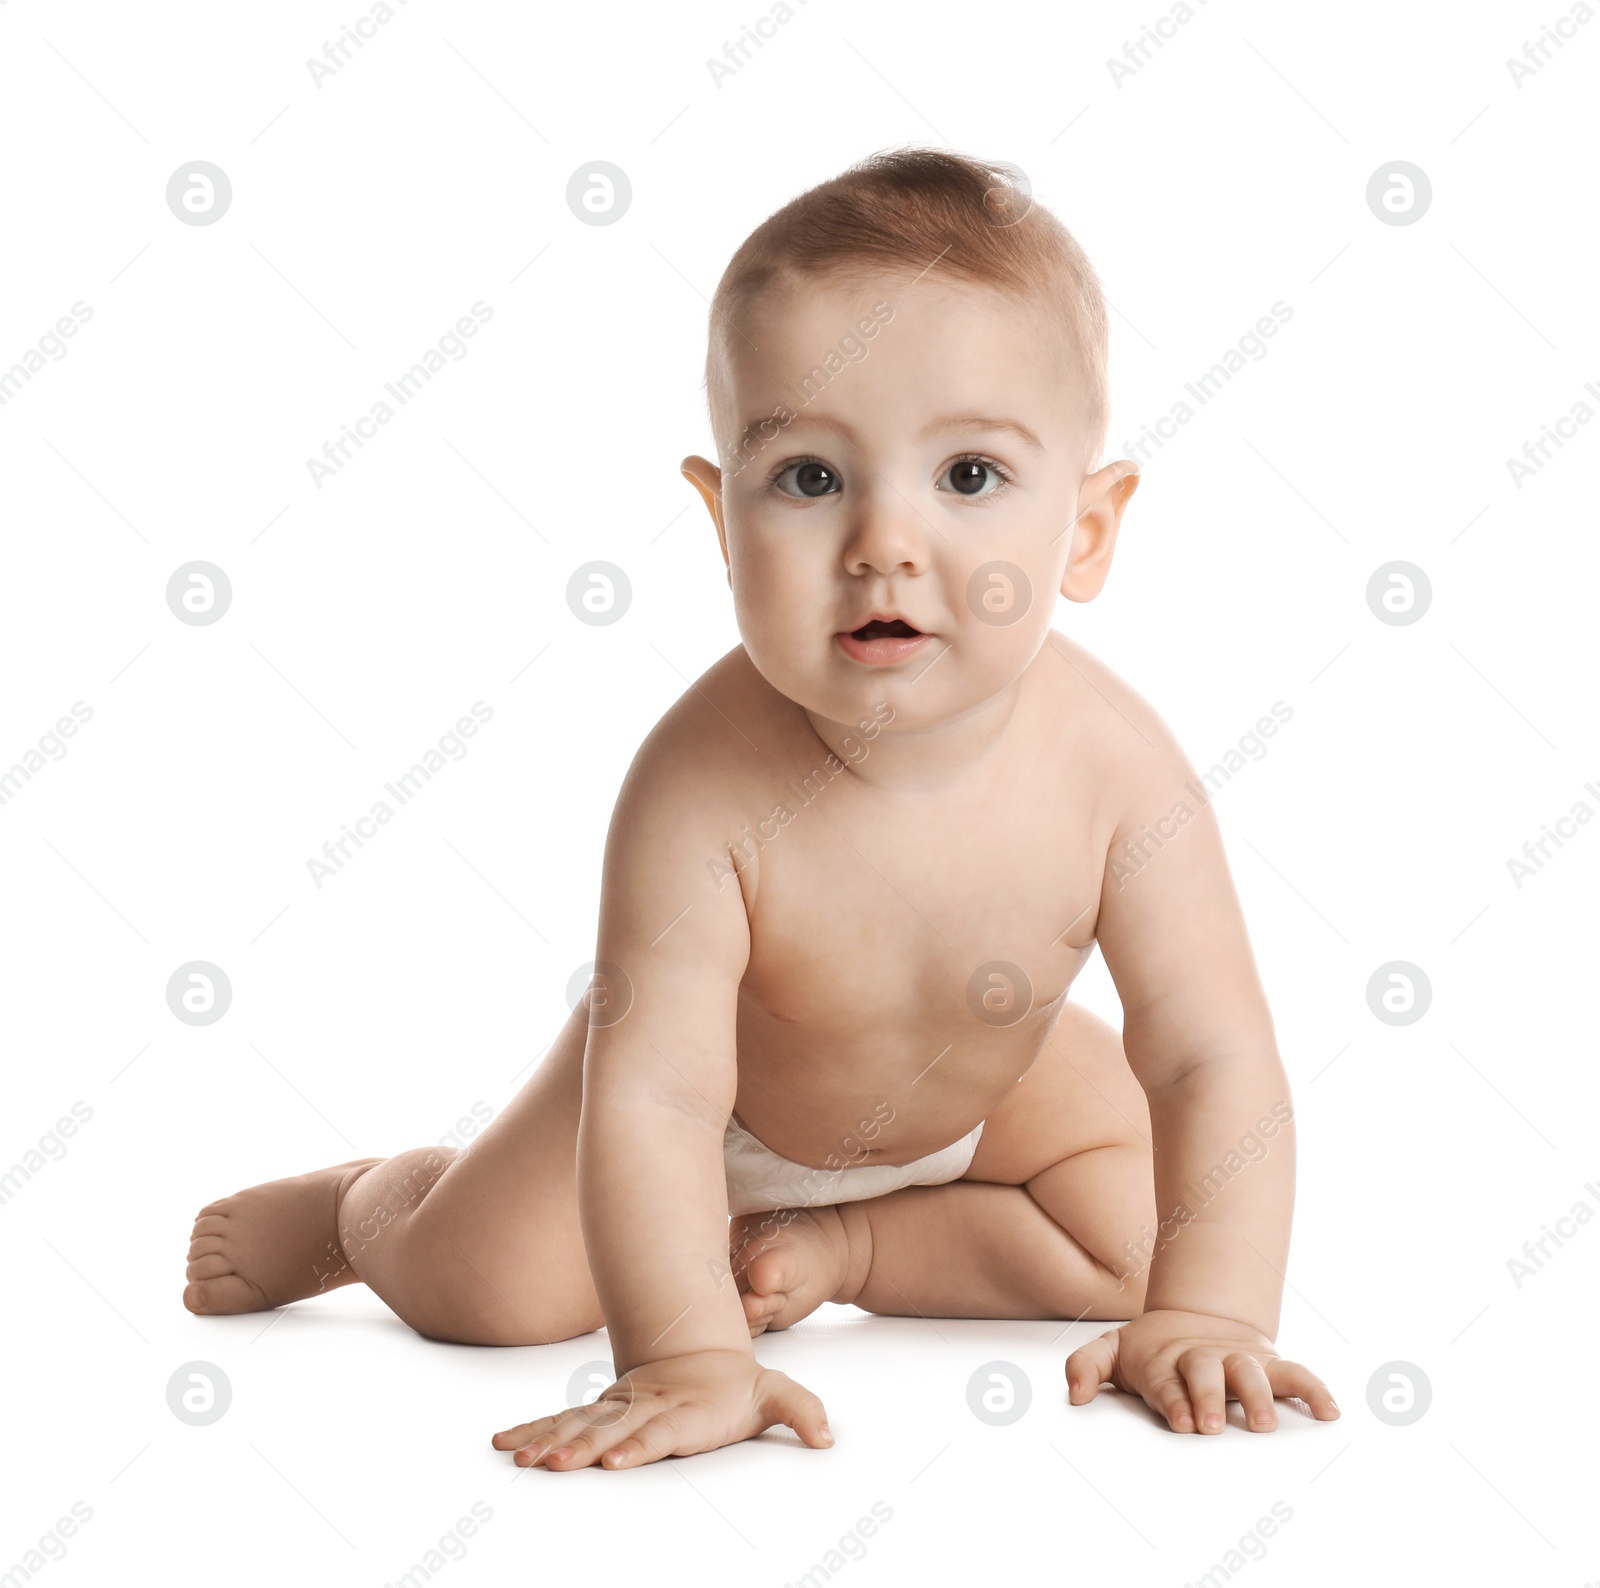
[
  {"x": 883, "y": 642},
  {"x": 880, "y": 629}
]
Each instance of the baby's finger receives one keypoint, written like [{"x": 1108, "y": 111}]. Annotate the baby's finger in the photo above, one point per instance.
[
  {"x": 561, "y": 1430},
  {"x": 1289, "y": 1378},
  {"x": 1090, "y": 1366},
  {"x": 1171, "y": 1399},
  {"x": 660, "y": 1436},
  {"x": 1248, "y": 1380},
  {"x": 795, "y": 1407},
  {"x": 523, "y": 1433},
  {"x": 581, "y": 1450},
  {"x": 590, "y": 1431},
  {"x": 1208, "y": 1389},
  {"x": 558, "y": 1433}
]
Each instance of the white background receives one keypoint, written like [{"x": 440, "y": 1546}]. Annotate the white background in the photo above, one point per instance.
[{"x": 430, "y": 173}]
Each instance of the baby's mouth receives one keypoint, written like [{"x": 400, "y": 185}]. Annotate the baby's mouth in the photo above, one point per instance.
[
  {"x": 882, "y": 642},
  {"x": 881, "y": 629}
]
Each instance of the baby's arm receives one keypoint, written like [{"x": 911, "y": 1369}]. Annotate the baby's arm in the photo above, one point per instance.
[
  {"x": 1198, "y": 1035},
  {"x": 658, "y": 1087}
]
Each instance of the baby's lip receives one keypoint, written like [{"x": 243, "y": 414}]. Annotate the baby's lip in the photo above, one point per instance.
[{"x": 884, "y": 625}]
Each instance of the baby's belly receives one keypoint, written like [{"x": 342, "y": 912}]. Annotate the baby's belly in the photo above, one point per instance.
[{"x": 870, "y": 1091}]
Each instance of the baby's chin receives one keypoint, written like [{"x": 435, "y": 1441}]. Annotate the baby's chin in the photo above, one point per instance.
[
  {"x": 814, "y": 682},
  {"x": 833, "y": 687}
]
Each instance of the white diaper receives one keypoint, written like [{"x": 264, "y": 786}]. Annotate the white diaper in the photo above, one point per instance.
[{"x": 759, "y": 1180}]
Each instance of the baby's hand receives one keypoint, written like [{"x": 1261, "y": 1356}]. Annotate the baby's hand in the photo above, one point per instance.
[
  {"x": 1186, "y": 1365},
  {"x": 675, "y": 1407}
]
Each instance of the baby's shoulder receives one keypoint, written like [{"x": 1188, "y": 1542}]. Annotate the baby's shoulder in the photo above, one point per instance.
[
  {"x": 709, "y": 744},
  {"x": 1113, "y": 733}
]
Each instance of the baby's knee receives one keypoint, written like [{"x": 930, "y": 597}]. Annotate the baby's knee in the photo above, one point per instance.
[
  {"x": 386, "y": 1197},
  {"x": 1105, "y": 1200},
  {"x": 414, "y": 1174},
  {"x": 451, "y": 1284},
  {"x": 484, "y": 1326},
  {"x": 487, "y": 1303}
]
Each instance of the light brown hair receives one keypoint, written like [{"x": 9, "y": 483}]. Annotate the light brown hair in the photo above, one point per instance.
[{"x": 927, "y": 211}]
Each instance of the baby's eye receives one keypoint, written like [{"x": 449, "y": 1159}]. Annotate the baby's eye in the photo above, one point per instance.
[
  {"x": 974, "y": 477},
  {"x": 809, "y": 478}
]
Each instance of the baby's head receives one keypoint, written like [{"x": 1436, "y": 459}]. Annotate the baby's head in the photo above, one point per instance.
[{"x": 907, "y": 383}]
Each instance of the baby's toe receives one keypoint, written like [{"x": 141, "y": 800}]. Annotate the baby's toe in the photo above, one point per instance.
[
  {"x": 760, "y": 1310},
  {"x": 209, "y": 1265},
  {"x": 225, "y": 1293},
  {"x": 774, "y": 1272},
  {"x": 787, "y": 1276},
  {"x": 215, "y": 1285}
]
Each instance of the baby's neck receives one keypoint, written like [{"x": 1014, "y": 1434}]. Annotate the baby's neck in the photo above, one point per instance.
[{"x": 938, "y": 756}]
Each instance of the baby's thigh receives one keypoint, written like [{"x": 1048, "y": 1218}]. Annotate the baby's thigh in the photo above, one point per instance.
[
  {"x": 496, "y": 1247},
  {"x": 1079, "y": 1096},
  {"x": 1075, "y": 1130}
]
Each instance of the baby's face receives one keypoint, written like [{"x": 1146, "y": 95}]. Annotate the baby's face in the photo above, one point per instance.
[{"x": 903, "y": 537}]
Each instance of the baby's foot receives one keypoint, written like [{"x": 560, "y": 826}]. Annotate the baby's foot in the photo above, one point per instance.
[
  {"x": 800, "y": 1259},
  {"x": 272, "y": 1244}
]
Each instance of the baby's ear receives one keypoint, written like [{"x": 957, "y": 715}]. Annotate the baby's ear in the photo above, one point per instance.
[
  {"x": 1101, "y": 499},
  {"x": 706, "y": 478}
]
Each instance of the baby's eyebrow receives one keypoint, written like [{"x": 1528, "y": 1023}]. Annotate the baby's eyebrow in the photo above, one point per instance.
[
  {"x": 750, "y": 435},
  {"x": 986, "y": 422}
]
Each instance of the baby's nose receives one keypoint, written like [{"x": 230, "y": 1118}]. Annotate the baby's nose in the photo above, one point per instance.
[{"x": 889, "y": 537}]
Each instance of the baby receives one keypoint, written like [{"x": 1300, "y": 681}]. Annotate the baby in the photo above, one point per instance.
[{"x": 849, "y": 880}]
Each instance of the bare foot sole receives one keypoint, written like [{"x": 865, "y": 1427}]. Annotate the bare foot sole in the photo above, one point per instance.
[
  {"x": 786, "y": 1272},
  {"x": 272, "y": 1244}
]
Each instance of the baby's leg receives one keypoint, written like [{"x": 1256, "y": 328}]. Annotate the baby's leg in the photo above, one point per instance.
[
  {"x": 481, "y": 1246},
  {"x": 1046, "y": 1223}
]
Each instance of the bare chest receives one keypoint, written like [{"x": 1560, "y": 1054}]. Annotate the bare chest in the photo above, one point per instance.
[{"x": 871, "y": 917}]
